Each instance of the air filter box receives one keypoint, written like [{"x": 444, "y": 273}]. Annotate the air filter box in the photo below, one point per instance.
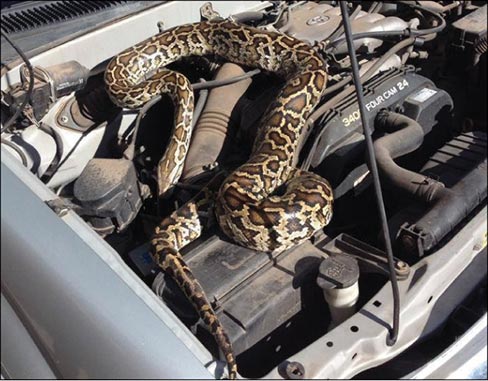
[
  {"x": 253, "y": 293},
  {"x": 107, "y": 194}
]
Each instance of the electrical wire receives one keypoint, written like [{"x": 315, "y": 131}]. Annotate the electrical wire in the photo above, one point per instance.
[
  {"x": 374, "y": 172},
  {"x": 57, "y": 166},
  {"x": 27, "y": 97}
]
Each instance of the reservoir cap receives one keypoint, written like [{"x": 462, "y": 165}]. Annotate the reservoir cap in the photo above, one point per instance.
[{"x": 338, "y": 271}]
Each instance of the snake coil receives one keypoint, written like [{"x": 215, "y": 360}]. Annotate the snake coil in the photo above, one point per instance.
[{"x": 266, "y": 204}]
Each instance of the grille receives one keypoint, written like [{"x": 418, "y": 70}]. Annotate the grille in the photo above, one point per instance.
[{"x": 51, "y": 13}]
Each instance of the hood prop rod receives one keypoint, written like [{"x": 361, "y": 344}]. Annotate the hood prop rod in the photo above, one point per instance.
[{"x": 393, "y": 332}]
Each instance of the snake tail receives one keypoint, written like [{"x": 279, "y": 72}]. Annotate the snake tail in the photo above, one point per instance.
[{"x": 176, "y": 231}]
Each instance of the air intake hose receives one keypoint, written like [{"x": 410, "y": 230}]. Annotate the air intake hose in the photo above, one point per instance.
[{"x": 212, "y": 127}]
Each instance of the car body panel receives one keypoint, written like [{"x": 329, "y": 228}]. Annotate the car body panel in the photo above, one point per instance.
[{"x": 90, "y": 316}]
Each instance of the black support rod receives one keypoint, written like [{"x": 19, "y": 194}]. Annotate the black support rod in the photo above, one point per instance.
[{"x": 374, "y": 172}]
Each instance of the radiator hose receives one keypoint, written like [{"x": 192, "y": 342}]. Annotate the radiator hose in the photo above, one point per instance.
[
  {"x": 450, "y": 207},
  {"x": 406, "y": 135},
  {"x": 447, "y": 206}
]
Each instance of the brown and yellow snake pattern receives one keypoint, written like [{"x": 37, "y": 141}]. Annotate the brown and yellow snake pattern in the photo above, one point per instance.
[{"x": 266, "y": 204}]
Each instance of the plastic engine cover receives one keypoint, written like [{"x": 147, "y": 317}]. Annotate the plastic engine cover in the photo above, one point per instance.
[{"x": 338, "y": 138}]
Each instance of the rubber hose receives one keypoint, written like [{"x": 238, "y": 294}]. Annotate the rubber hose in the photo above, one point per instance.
[
  {"x": 451, "y": 206},
  {"x": 405, "y": 137},
  {"x": 212, "y": 127}
]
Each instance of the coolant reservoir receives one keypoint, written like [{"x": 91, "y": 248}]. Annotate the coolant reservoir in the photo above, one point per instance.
[{"x": 338, "y": 277}]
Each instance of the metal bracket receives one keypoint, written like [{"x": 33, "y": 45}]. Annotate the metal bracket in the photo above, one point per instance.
[
  {"x": 369, "y": 257},
  {"x": 160, "y": 25},
  {"x": 208, "y": 13},
  {"x": 58, "y": 206},
  {"x": 412, "y": 239},
  {"x": 64, "y": 118}
]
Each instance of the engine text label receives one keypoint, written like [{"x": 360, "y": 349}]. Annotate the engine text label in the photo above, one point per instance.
[{"x": 371, "y": 105}]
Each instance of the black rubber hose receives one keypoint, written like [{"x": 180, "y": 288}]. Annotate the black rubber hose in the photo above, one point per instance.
[
  {"x": 436, "y": 29},
  {"x": 448, "y": 206},
  {"x": 392, "y": 338},
  {"x": 451, "y": 205},
  {"x": 405, "y": 137},
  {"x": 49, "y": 173},
  {"x": 27, "y": 97}
]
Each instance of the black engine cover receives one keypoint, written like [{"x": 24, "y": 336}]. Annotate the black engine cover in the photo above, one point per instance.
[{"x": 338, "y": 139}]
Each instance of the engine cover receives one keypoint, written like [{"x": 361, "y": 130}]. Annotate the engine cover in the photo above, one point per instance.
[{"x": 338, "y": 139}]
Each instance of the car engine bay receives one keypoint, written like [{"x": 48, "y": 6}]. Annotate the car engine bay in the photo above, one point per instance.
[{"x": 422, "y": 66}]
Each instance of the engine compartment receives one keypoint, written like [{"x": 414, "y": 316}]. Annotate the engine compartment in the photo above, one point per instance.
[{"x": 272, "y": 305}]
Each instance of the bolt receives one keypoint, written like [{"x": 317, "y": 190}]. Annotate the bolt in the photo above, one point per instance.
[
  {"x": 295, "y": 371},
  {"x": 63, "y": 119},
  {"x": 62, "y": 212},
  {"x": 400, "y": 265},
  {"x": 210, "y": 166},
  {"x": 477, "y": 247}
]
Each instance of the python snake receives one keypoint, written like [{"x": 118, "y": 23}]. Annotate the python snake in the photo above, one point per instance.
[{"x": 266, "y": 204}]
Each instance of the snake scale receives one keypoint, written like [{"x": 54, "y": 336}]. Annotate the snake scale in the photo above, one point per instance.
[{"x": 266, "y": 204}]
